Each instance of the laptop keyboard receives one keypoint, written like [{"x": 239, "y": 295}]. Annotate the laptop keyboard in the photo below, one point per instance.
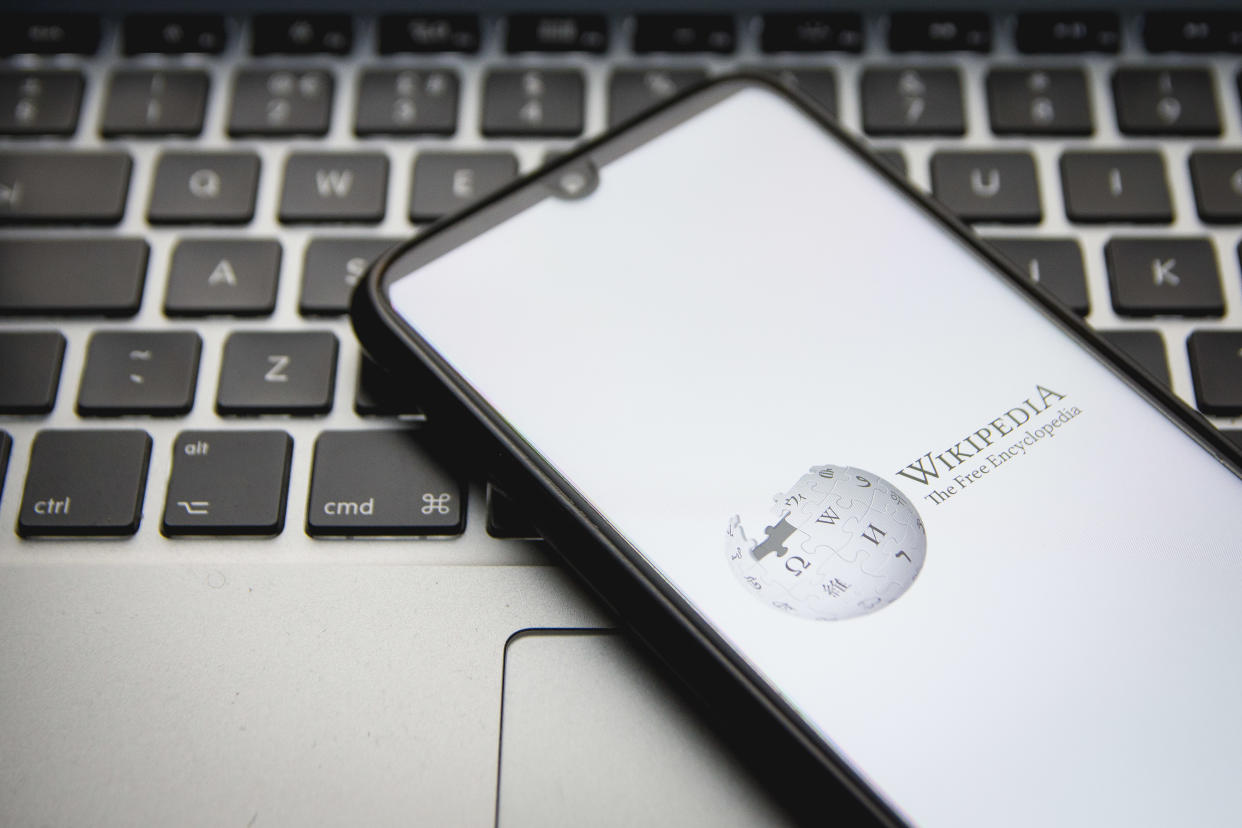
[{"x": 187, "y": 200}]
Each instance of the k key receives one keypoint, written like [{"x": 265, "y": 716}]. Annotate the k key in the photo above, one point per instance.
[{"x": 1164, "y": 276}]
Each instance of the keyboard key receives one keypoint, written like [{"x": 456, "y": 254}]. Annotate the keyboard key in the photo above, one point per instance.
[
  {"x": 277, "y": 373},
  {"x": 896, "y": 159},
  {"x": 40, "y": 103},
  {"x": 173, "y": 34},
  {"x": 192, "y": 187},
  {"x": 331, "y": 269},
  {"x": 1115, "y": 186},
  {"x": 1039, "y": 102},
  {"x": 379, "y": 392},
  {"x": 1217, "y": 179},
  {"x": 684, "y": 33},
  {"x": 1054, "y": 263},
  {"x": 302, "y": 34},
  {"x": 80, "y": 187},
  {"x": 533, "y": 102},
  {"x": 407, "y": 102},
  {"x": 1068, "y": 32},
  {"x": 227, "y": 276},
  {"x": 912, "y": 102},
  {"x": 155, "y": 103},
  {"x": 505, "y": 519},
  {"x": 987, "y": 186},
  {"x": 1165, "y": 102},
  {"x": 139, "y": 372},
  {"x": 96, "y": 277},
  {"x": 381, "y": 483},
  {"x": 49, "y": 34},
  {"x": 85, "y": 483},
  {"x": 812, "y": 32},
  {"x": 631, "y": 91},
  {"x": 6, "y": 444},
  {"x": 1193, "y": 31},
  {"x": 334, "y": 187},
  {"x": 1144, "y": 347},
  {"x": 228, "y": 483},
  {"x": 818, "y": 84},
  {"x": 428, "y": 33},
  {"x": 281, "y": 102},
  {"x": 29, "y": 370},
  {"x": 557, "y": 33},
  {"x": 1164, "y": 276},
  {"x": 445, "y": 182},
  {"x": 939, "y": 32},
  {"x": 1216, "y": 369}
]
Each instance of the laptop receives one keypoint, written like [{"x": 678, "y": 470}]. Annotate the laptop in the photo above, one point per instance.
[{"x": 241, "y": 580}]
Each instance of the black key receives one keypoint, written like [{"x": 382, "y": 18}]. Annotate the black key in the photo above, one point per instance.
[
  {"x": 302, "y": 34},
  {"x": 381, "y": 483},
  {"x": 445, "y": 182},
  {"x": 277, "y": 373},
  {"x": 505, "y": 519},
  {"x": 1165, "y": 102},
  {"x": 229, "y": 276},
  {"x": 173, "y": 34},
  {"x": 217, "y": 187},
  {"x": 85, "y": 187},
  {"x": 331, "y": 269},
  {"x": 533, "y": 102},
  {"x": 40, "y": 103},
  {"x": 334, "y": 187},
  {"x": 1234, "y": 436},
  {"x": 1054, "y": 263},
  {"x": 684, "y": 33},
  {"x": 912, "y": 102},
  {"x": 29, "y": 371},
  {"x": 1193, "y": 31},
  {"x": 96, "y": 277},
  {"x": 1068, "y": 32},
  {"x": 939, "y": 32},
  {"x": 557, "y": 33},
  {"x": 631, "y": 91},
  {"x": 139, "y": 372},
  {"x": 407, "y": 102},
  {"x": 895, "y": 158},
  {"x": 812, "y": 32},
  {"x": 1144, "y": 347},
  {"x": 6, "y": 444},
  {"x": 1039, "y": 102},
  {"x": 1216, "y": 369},
  {"x": 281, "y": 102},
  {"x": 382, "y": 393},
  {"x": 818, "y": 84},
  {"x": 1217, "y": 178},
  {"x": 1115, "y": 186},
  {"x": 85, "y": 483},
  {"x": 1157, "y": 276},
  {"x": 428, "y": 33},
  {"x": 155, "y": 103},
  {"x": 49, "y": 34},
  {"x": 228, "y": 483},
  {"x": 987, "y": 186}
]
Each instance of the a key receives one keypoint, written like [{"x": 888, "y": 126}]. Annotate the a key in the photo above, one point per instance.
[
  {"x": 1216, "y": 370},
  {"x": 505, "y": 519},
  {"x": 157, "y": 102},
  {"x": 1115, "y": 186},
  {"x": 331, "y": 269},
  {"x": 302, "y": 34},
  {"x": 444, "y": 182},
  {"x": 421, "y": 33},
  {"x": 277, "y": 373},
  {"x": 1193, "y": 31},
  {"x": 631, "y": 91},
  {"x": 684, "y": 33},
  {"x": 49, "y": 34},
  {"x": 139, "y": 372},
  {"x": 1054, "y": 263},
  {"x": 85, "y": 483},
  {"x": 557, "y": 33},
  {"x": 237, "y": 277},
  {"x": 912, "y": 102},
  {"x": 382, "y": 393},
  {"x": 29, "y": 370},
  {"x": 281, "y": 102},
  {"x": 334, "y": 187},
  {"x": 812, "y": 32},
  {"x": 533, "y": 102},
  {"x": 72, "y": 276},
  {"x": 1039, "y": 102},
  {"x": 40, "y": 102},
  {"x": 173, "y": 34},
  {"x": 216, "y": 187},
  {"x": 987, "y": 186},
  {"x": 1068, "y": 32},
  {"x": 407, "y": 102},
  {"x": 1165, "y": 102},
  {"x": 381, "y": 483},
  {"x": 818, "y": 84},
  {"x": 1164, "y": 276},
  {"x": 228, "y": 483},
  {"x": 1217, "y": 179},
  {"x": 939, "y": 32},
  {"x": 78, "y": 187},
  {"x": 1144, "y": 347}
]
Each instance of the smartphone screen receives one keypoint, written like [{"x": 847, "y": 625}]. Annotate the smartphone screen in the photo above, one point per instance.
[{"x": 992, "y": 577}]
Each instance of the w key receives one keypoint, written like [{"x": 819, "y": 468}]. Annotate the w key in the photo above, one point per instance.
[{"x": 334, "y": 187}]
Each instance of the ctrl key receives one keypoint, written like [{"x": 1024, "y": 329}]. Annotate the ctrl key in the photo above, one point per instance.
[{"x": 85, "y": 483}]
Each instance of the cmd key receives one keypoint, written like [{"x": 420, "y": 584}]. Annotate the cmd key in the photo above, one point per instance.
[{"x": 80, "y": 187}]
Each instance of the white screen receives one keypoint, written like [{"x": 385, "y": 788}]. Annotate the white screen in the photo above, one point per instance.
[{"x": 741, "y": 300}]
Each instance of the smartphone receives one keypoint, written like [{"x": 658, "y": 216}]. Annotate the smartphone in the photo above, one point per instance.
[{"x": 865, "y": 485}]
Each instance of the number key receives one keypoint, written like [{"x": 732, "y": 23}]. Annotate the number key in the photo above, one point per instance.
[
  {"x": 912, "y": 102},
  {"x": 39, "y": 103},
  {"x": 1165, "y": 102},
  {"x": 1039, "y": 102},
  {"x": 407, "y": 102},
  {"x": 277, "y": 373},
  {"x": 533, "y": 102},
  {"x": 281, "y": 102},
  {"x": 155, "y": 103}
]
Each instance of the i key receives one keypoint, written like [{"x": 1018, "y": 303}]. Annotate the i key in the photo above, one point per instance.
[
  {"x": 1115, "y": 186},
  {"x": 228, "y": 483}
]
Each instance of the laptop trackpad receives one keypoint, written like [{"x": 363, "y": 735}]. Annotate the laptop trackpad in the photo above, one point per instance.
[{"x": 591, "y": 735}]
